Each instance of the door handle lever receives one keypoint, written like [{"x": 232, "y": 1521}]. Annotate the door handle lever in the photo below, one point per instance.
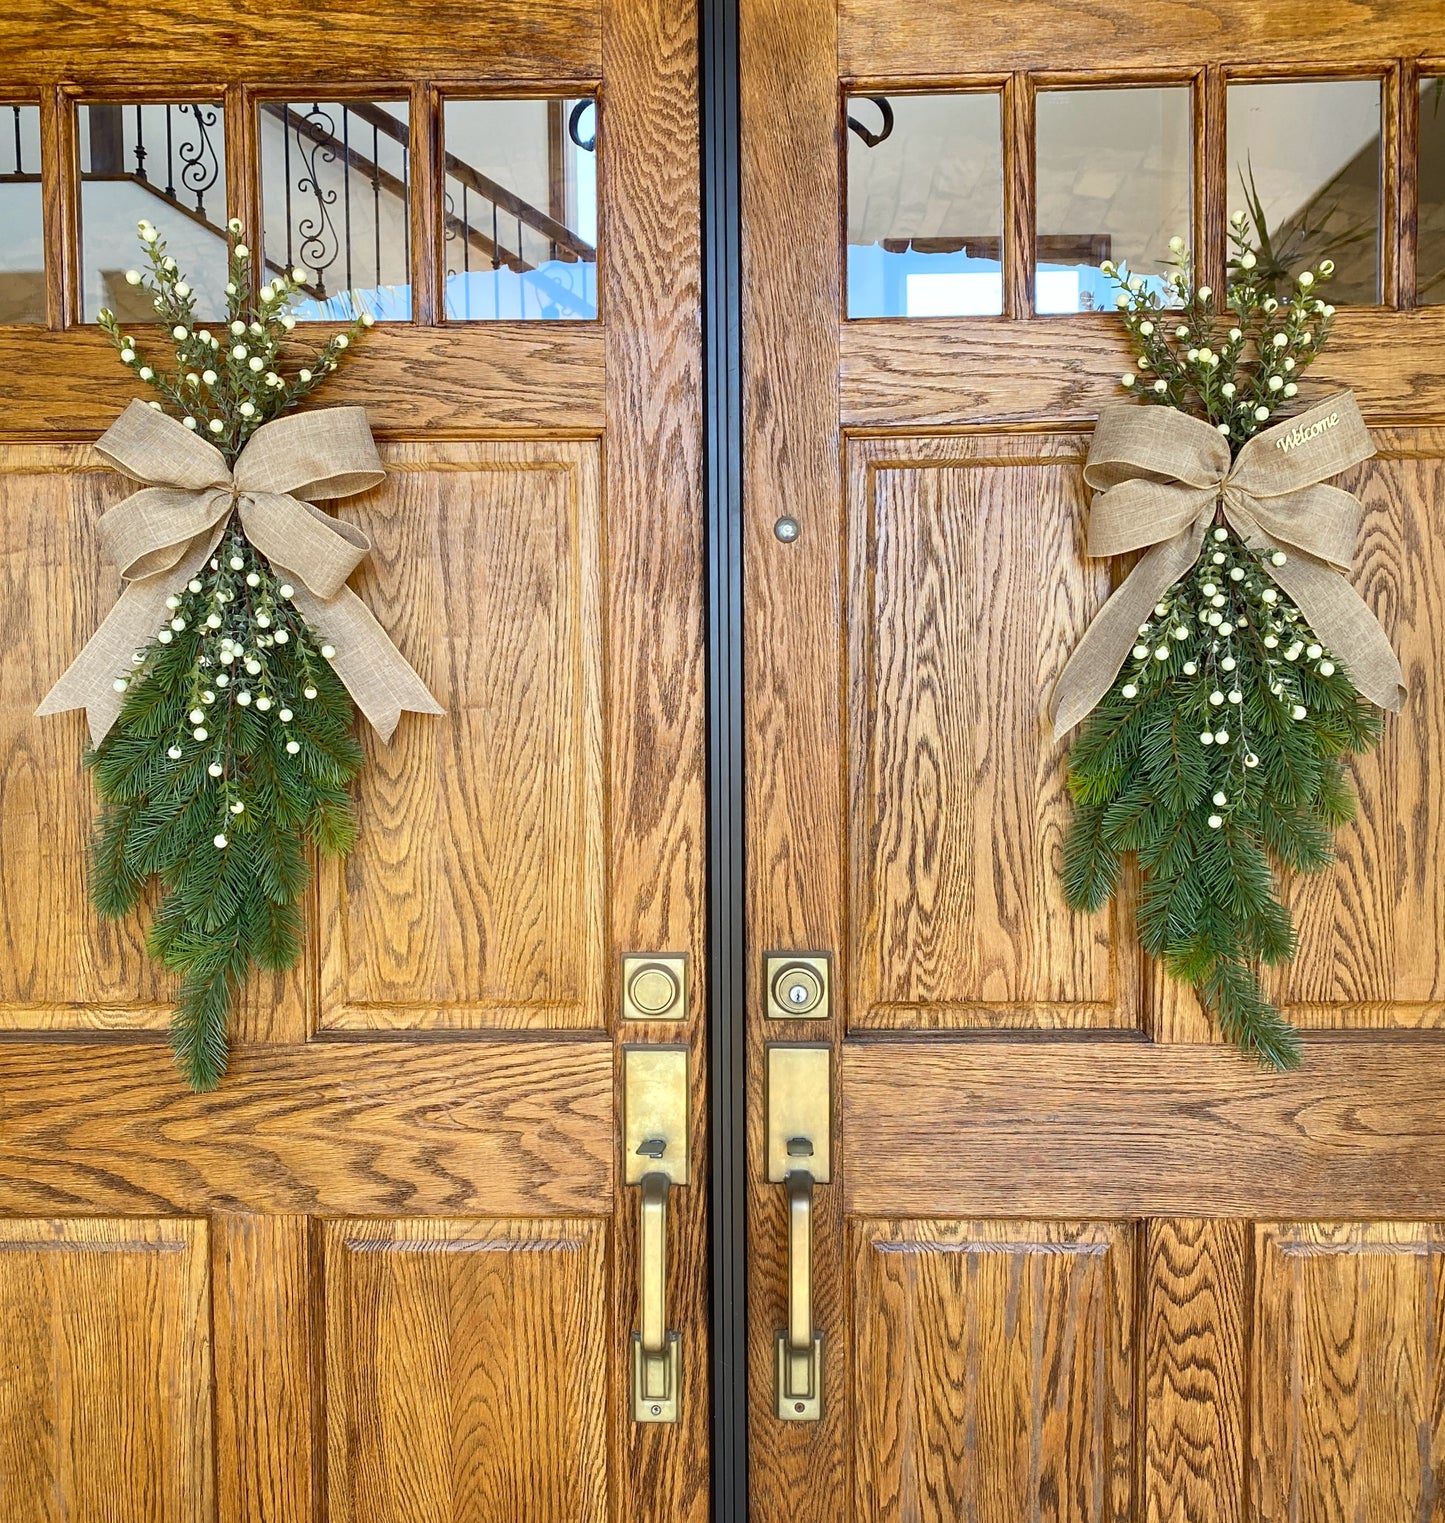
[
  {"x": 652, "y": 1281},
  {"x": 799, "y": 1185}
]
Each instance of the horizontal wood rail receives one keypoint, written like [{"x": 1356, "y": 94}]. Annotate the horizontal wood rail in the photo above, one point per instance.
[{"x": 1127, "y": 1128}]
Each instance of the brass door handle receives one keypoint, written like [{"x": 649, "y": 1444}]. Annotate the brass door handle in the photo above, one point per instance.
[
  {"x": 652, "y": 1282},
  {"x": 799, "y": 1185}
]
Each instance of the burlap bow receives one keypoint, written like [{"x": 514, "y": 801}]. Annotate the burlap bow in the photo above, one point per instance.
[
  {"x": 1161, "y": 475},
  {"x": 161, "y": 536}
]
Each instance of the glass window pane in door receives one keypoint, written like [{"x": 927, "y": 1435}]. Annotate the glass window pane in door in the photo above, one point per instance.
[
  {"x": 521, "y": 209},
  {"x": 335, "y": 186},
  {"x": 1113, "y": 183},
  {"x": 160, "y": 162},
  {"x": 925, "y": 205},
  {"x": 1307, "y": 154},
  {"x": 22, "y": 250}
]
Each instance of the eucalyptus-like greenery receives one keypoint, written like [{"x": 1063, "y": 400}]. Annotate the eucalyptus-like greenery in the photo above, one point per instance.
[
  {"x": 1217, "y": 757},
  {"x": 235, "y": 741}
]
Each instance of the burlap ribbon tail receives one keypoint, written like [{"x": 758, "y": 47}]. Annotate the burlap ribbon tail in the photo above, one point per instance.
[
  {"x": 162, "y": 535},
  {"x": 1162, "y": 475}
]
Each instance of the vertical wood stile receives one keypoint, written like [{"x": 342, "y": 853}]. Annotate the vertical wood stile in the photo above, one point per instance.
[
  {"x": 1211, "y": 174},
  {"x": 243, "y": 164},
  {"x": 650, "y": 293},
  {"x": 265, "y": 1336},
  {"x": 793, "y": 648},
  {"x": 1392, "y": 290},
  {"x": 428, "y": 243},
  {"x": 1193, "y": 1353},
  {"x": 1405, "y": 176},
  {"x": 1020, "y": 195},
  {"x": 60, "y": 199}
]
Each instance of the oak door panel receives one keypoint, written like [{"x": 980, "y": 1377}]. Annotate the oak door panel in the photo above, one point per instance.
[
  {"x": 64, "y": 969},
  {"x": 1370, "y": 951},
  {"x": 1349, "y": 1391},
  {"x": 466, "y": 1370},
  {"x": 992, "y": 1371},
  {"x": 475, "y": 895},
  {"x": 105, "y": 1371},
  {"x": 1141, "y": 1129},
  {"x": 969, "y": 588}
]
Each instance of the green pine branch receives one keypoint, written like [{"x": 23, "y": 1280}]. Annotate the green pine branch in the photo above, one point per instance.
[
  {"x": 232, "y": 754},
  {"x": 1215, "y": 759}
]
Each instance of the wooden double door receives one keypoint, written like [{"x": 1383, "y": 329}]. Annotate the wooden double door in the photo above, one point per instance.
[{"x": 1066, "y": 1256}]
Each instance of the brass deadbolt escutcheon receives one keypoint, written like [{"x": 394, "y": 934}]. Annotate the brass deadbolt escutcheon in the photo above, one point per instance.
[
  {"x": 797, "y": 985},
  {"x": 654, "y": 988}
]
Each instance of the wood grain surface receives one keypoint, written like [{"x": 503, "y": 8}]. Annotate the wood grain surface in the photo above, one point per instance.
[
  {"x": 993, "y": 1364},
  {"x": 880, "y": 39},
  {"x": 651, "y": 275},
  {"x": 793, "y": 649},
  {"x": 969, "y": 588},
  {"x": 505, "y": 1127},
  {"x": 105, "y": 1352},
  {"x": 267, "y": 1407},
  {"x": 466, "y": 1370},
  {"x": 944, "y": 373},
  {"x": 415, "y": 382},
  {"x": 1347, "y": 1372},
  {"x": 476, "y": 896},
  {"x": 93, "y": 43},
  {"x": 1196, "y": 1297},
  {"x": 63, "y": 969},
  {"x": 1128, "y": 1128}
]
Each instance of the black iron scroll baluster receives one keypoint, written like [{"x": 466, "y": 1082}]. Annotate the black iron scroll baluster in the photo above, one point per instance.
[
  {"x": 200, "y": 162},
  {"x": 19, "y": 166},
  {"x": 885, "y": 130},
  {"x": 318, "y": 241},
  {"x": 170, "y": 155},
  {"x": 346, "y": 187},
  {"x": 140, "y": 146}
]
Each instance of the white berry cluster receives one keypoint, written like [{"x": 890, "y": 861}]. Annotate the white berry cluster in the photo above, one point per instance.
[
  {"x": 224, "y": 384},
  {"x": 1236, "y": 363},
  {"x": 255, "y": 660},
  {"x": 1234, "y": 641}
]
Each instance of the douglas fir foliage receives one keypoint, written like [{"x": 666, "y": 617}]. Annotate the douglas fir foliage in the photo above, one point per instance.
[
  {"x": 1218, "y": 752},
  {"x": 234, "y": 745}
]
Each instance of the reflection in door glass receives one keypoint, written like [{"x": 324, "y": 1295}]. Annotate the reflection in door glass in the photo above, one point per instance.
[
  {"x": 335, "y": 184},
  {"x": 1304, "y": 159},
  {"x": 1430, "y": 259},
  {"x": 521, "y": 209},
  {"x": 925, "y": 205},
  {"x": 166, "y": 164},
  {"x": 22, "y": 249},
  {"x": 1113, "y": 183}
]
